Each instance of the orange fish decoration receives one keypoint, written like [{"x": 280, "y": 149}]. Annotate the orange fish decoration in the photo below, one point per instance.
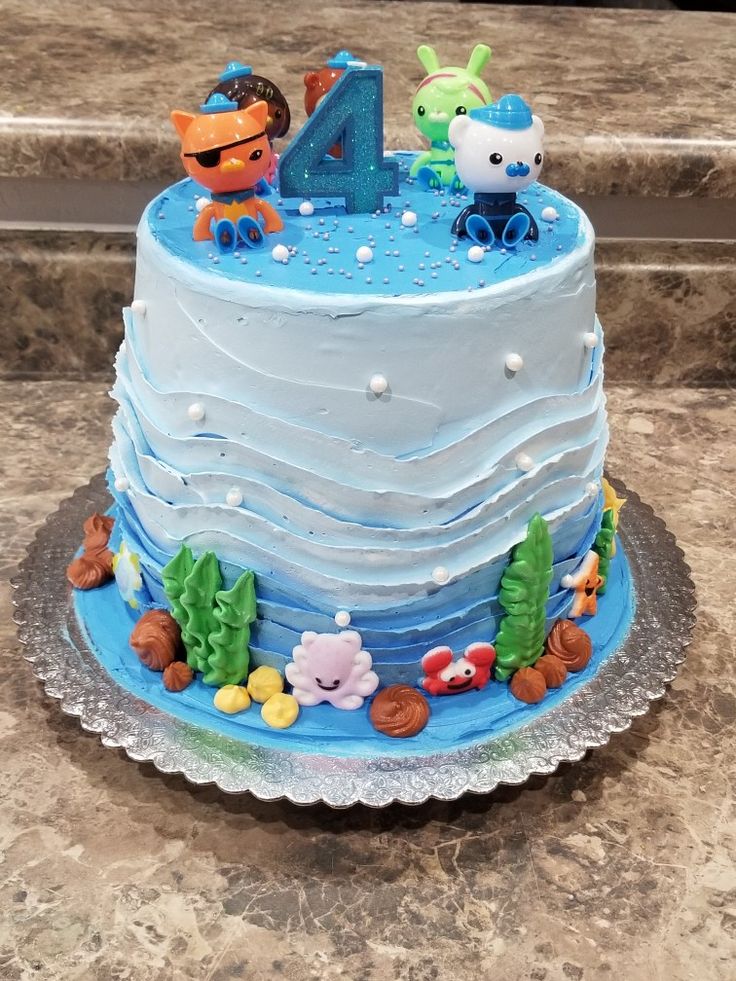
[{"x": 227, "y": 150}]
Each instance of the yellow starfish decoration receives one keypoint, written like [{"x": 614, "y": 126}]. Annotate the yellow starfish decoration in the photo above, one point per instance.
[{"x": 610, "y": 500}]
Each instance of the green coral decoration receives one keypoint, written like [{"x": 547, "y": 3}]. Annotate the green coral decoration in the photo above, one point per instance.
[
  {"x": 174, "y": 576},
  {"x": 234, "y": 612},
  {"x": 603, "y": 545},
  {"x": 197, "y": 599},
  {"x": 215, "y": 623},
  {"x": 523, "y": 595}
]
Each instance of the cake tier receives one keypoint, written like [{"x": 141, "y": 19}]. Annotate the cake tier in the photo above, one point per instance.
[{"x": 355, "y": 500}]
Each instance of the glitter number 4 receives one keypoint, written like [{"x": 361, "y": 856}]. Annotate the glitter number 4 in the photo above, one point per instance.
[{"x": 352, "y": 111}]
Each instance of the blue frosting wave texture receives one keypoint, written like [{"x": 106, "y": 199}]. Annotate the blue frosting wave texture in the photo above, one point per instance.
[{"x": 353, "y": 500}]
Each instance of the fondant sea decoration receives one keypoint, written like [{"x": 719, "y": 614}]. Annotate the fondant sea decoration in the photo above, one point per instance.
[
  {"x": 498, "y": 152},
  {"x": 94, "y": 566},
  {"x": 399, "y": 711},
  {"x": 200, "y": 587},
  {"x": 227, "y": 150},
  {"x": 331, "y": 668},
  {"x": 318, "y": 83},
  {"x": 570, "y": 644},
  {"x": 445, "y": 92},
  {"x": 280, "y": 711},
  {"x": 586, "y": 581},
  {"x": 553, "y": 669},
  {"x": 444, "y": 676},
  {"x": 264, "y": 682},
  {"x": 215, "y": 623},
  {"x": 156, "y": 639},
  {"x": 239, "y": 84},
  {"x": 234, "y": 612},
  {"x": 528, "y": 685},
  {"x": 174, "y": 575},
  {"x": 523, "y": 595},
  {"x": 603, "y": 547},
  {"x": 614, "y": 503},
  {"x": 126, "y": 566},
  {"x": 231, "y": 699},
  {"x": 177, "y": 676}
]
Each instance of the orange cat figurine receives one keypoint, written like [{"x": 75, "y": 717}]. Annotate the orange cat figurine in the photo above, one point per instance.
[{"x": 226, "y": 150}]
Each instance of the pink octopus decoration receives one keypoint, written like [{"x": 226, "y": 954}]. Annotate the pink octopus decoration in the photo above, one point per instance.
[{"x": 331, "y": 668}]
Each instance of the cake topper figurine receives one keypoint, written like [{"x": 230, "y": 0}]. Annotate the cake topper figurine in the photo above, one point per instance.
[
  {"x": 498, "y": 152},
  {"x": 227, "y": 150},
  {"x": 238, "y": 84},
  {"x": 318, "y": 83},
  {"x": 443, "y": 94}
]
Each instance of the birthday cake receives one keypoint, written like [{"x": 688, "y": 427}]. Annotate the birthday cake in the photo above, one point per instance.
[{"x": 357, "y": 466}]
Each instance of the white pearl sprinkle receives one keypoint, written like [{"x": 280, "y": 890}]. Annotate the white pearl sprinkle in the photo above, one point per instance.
[
  {"x": 590, "y": 340},
  {"x": 524, "y": 462},
  {"x": 234, "y": 497},
  {"x": 475, "y": 253},
  {"x": 440, "y": 575},
  {"x": 567, "y": 582},
  {"x": 364, "y": 254},
  {"x": 279, "y": 253},
  {"x": 378, "y": 384},
  {"x": 342, "y": 618},
  {"x": 591, "y": 488},
  {"x": 306, "y": 208},
  {"x": 201, "y": 204},
  {"x": 139, "y": 307},
  {"x": 549, "y": 213},
  {"x": 514, "y": 362},
  {"x": 196, "y": 412},
  {"x": 122, "y": 484},
  {"x": 409, "y": 219}
]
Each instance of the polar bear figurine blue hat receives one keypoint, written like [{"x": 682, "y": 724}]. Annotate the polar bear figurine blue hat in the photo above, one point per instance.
[{"x": 498, "y": 152}]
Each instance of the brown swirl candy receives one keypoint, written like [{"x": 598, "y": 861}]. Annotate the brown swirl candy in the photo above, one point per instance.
[
  {"x": 528, "y": 685},
  {"x": 155, "y": 639},
  {"x": 399, "y": 711},
  {"x": 553, "y": 669},
  {"x": 570, "y": 644},
  {"x": 177, "y": 676},
  {"x": 89, "y": 571},
  {"x": 97, "y": 531}
]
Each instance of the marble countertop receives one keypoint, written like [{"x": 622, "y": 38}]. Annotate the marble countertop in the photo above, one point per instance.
[
  {"x": 619, "y": 866},
  {"x": 634, "y": 102}
]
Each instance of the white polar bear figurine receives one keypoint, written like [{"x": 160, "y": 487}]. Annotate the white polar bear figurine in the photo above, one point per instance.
[{"x": 498, "y": 152}]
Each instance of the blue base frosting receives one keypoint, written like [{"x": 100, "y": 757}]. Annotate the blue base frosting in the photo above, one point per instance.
[{"x": 455, "y": 721}]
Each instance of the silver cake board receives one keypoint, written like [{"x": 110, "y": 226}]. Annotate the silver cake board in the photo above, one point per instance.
[{"x": 622, "y": 688}]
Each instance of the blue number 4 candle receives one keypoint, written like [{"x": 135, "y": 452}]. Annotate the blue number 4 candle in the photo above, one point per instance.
[{"x": 352, "y": 112}]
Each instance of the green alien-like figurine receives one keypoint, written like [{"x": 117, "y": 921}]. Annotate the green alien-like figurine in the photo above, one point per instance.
[{"x": 444, "y": 93}]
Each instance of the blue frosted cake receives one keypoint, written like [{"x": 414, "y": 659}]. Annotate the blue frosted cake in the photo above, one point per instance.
[{"x": 358, "y": 468}]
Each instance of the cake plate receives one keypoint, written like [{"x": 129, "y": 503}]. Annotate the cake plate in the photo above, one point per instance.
[{"x": 622, "y": 688}]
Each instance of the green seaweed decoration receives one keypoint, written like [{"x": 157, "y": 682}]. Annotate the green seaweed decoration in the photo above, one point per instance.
[
  {"x": 603, "y": 545},
  {"x": 235, "y": 610},
  {"x": 197, "y": 599},
  {"x": 174, "y": 575},
  {"x": 523, "y": 594}
]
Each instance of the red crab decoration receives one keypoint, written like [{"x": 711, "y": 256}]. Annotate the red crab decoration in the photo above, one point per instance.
[{"x": 443, "y": 676}]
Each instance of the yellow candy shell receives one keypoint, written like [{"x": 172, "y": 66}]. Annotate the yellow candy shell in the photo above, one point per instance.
[
  {"x": 280, "y": 711},
  {"x": 232, "y": 699},
  {"x": 264, "y": 682}
]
